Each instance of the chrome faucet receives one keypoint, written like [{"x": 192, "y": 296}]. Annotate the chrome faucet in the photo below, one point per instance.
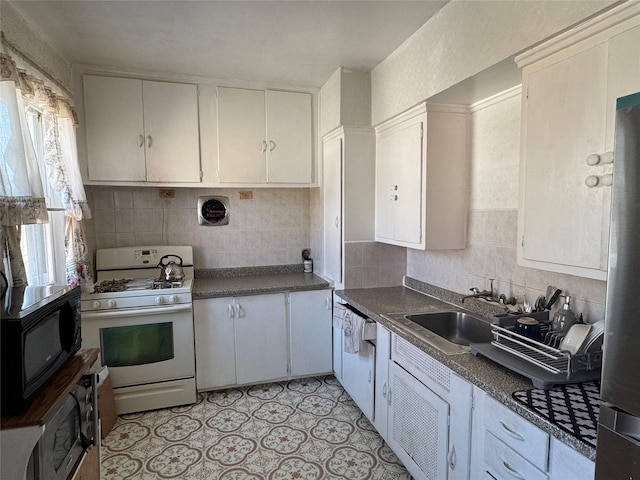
[{"x": 486, "y": 294}]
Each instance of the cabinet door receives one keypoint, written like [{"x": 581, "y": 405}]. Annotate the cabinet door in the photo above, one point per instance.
[
  {"x": 215, "y": 343},
  {"x": 418, "y": 426},
  {"x": 569, "y": 113},
  {"x": 382, "y": 396},
  {"x": 358, "y": 376},
  {"x": 386, "y": 187},
  {"x": 261, "y": 338},
  {"x": 171, "y": 131},
  {"x": 288, "y": 137},
  {"x": 114, "y": 129},
  {"x": 332, "y": 183},
  {"x": 565, "y": 123},
  {"x": 310, "y": 332},
  {"x": 565, "y": 463},
  {"x": 408, "y": 223},
  {"x": 241, "y": 136},
  {"x": 399, "y": 182}
]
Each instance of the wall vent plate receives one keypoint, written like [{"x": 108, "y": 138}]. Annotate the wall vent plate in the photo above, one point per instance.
[{"x": 213, "y": 211}]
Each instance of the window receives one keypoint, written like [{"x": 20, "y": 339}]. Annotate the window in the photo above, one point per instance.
[{"x": 42, "y": 245}]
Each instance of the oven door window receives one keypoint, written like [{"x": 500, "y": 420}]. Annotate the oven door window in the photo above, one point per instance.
[
  {"x": 66, "y": 437},
  {"x": 136, "y": 344}
]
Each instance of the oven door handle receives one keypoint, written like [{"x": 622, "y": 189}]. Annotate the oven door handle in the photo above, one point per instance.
[{"x": 136, "y": 311}]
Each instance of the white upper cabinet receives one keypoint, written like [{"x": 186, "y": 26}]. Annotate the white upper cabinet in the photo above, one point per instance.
[
  {"x": 141, "y": 131},
  {"x": 421, "y": 178},
  {"x": 570, "y": 85},
  {"x": 264, "y": 137}
]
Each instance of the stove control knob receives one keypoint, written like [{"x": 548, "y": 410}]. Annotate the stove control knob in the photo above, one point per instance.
[
  {"x": 111, "y": 303},
  {"x": 173, "y": 298},
  {"x": 159, "y": 300},
  {"x": 95, "y": 304}
]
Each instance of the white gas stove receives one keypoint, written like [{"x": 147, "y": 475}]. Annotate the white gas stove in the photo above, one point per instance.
[{"x": 143, "y": 326}]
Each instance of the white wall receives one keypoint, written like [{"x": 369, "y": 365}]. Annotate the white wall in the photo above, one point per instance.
[
  {"x": 18, "y": 32},
  {"x": 464, "y": 38},
  {"x": 270, "y": 229}
]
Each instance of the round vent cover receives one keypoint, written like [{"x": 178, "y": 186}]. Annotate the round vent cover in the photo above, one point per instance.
[{"x": 213, "y": 211}]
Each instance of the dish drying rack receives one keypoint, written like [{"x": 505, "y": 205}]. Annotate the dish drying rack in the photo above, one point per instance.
[
  {"x": 544, "y": 355},
  {"x": 544, "y": 364}
]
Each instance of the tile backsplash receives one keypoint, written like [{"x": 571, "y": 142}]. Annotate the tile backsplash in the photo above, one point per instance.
[{"x": 272, "y": 228}]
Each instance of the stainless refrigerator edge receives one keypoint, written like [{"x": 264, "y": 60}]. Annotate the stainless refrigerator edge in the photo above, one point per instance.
[{"x": 618, "y": 444}]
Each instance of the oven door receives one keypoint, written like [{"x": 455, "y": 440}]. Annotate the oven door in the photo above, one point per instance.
[{"x": 143, "y": 345}]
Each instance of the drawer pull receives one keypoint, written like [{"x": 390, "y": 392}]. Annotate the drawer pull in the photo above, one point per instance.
[
  {"x": 511, "y": 471},
  {"x": 511, "y": 432}
]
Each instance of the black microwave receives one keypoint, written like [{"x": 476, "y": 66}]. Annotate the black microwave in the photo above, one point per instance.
[
  {"x": 40, "y": 330},
  {"x": 67, "y": 434}
]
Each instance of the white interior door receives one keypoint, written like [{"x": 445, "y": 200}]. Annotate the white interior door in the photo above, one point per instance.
[
  {"x": 261, "y": 338},
  {"x": 171, "y": 132},
  {"x": 332, "y": 182},
  {"x": 241, "y": 136},
  {"x": 114, "y": 128},
  {"x": 289, "y": 137}
]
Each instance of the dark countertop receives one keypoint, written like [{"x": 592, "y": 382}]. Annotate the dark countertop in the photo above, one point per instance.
[
  {"x": 255, "y": 280},
  {"x": 494, "y": 379}
]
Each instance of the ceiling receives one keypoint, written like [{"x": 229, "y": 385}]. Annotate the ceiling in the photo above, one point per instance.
[{"x": 297, "y": 43}]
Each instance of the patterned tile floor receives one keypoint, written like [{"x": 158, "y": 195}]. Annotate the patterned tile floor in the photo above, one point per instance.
[{"x": 300, "y": 430}]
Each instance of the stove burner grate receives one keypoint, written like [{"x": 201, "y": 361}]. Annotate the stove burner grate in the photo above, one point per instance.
[
  {"x": 160, "y": 284},
  {"x": 118, "y": 285}
]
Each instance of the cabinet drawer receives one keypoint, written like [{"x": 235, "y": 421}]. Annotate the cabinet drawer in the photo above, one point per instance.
[
  {"x": 504, "y": 463},
  {"x": 518, "y": 433}
]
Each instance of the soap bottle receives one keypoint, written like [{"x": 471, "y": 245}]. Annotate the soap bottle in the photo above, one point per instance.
[{"x": 564, "y": 318}]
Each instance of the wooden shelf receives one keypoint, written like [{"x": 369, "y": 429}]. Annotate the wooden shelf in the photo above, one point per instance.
[{"x": 47, "y": 399}]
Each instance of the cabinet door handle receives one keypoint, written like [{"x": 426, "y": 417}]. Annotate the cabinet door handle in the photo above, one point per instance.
[
  {"x": 452, "y": 457},
  {"x": 592, "y": 181},
  {"x": 394, "y": 198},
  {"x": 337, "y": 222},
  {"x": 510, "y": 431},
  {"x": 149, "y": 141},
  {"x": 384, "y": 390},
  {"x": 238, "y": 310},
  {"x": 141, "y": 137},
  {"x": 230, "y": 311},
  {"x": 369, "y": 376},
  {"x": 511, "y": 471},
  {"x": 264, "y": 146},
  {"x": 328, "y": 303},
  {"x": 272, "y": 145}
]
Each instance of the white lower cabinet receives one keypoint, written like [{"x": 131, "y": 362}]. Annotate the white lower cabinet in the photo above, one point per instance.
[
  {"x": 240, "y": 340},
  {"x": 508, "y": 447},
  {"x": 261, "y": 338},
  {"x": 215, "y": 343},
  {"x": 255, "y": 338},
  {"x": 567, "y": 464},
  {"x": 429, "y": 415},
  {"x": 310, "y": 332},
  {"x": 382, "y": 397}
]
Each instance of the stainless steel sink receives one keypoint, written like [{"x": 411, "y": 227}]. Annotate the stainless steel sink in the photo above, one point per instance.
[{"x": 450, "y": 331}]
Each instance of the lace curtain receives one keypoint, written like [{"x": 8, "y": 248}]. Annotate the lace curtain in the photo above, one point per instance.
[{"x": 19, "y": 167}]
